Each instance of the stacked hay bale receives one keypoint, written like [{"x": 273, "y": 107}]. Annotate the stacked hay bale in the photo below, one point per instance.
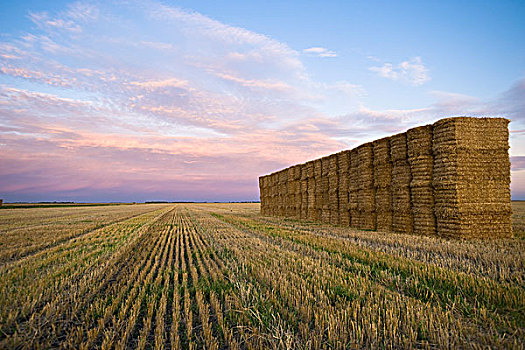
[
  {"x": 333, "y": 189},
  {"x": 276, "y": 196},
  {"x": 312, "y": 191},
  {"x": 419, "y": 147},
  {"x": 304, "y": 192},
  {"x": 319, "y": 188},
  {"x": 270, "y": 195},
  {"x": 263, "y": 194},
  {"x": 297, "y": 186},
  {"x": 471, "y": 177},
  {"x": 283, "y": 177},
  {"x": 383, "y": 184},
  {"x": 353, "y": 188},
  {"x": 288, "y": 193},
  {"x": 343, "y": 166},
  {"x": 366, "y": 191},
  {"x": 325, "y": 190},
  {"x": 402, "y": 219}
]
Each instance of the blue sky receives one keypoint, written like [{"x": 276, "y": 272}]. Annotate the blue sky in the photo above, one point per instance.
[{"x": 195, "y": 99}]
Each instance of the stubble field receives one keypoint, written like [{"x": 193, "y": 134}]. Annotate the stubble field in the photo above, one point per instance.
[{"x": 188, "y": 276}]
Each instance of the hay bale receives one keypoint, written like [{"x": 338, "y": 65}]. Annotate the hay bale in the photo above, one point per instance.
[
  {"x": 381, "y": 151},
  {"x": 382, "y": 183},
  {"x": 402, "y": 216},
  {"x": 343, "y": 164},
  {"x": 421, "y": 160},
  {"x": 398, "y": 148},
  {"x": 419, "y": 141},
  {"x": 383, "y": 202},
  {"x": 471, "y": 177},
  {"x": 312, "y": 210}
]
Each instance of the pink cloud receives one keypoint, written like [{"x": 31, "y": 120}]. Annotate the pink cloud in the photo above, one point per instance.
[{"x": 190, "y": 108}]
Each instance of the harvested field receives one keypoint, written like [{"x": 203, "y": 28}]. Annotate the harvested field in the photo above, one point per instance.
[{"x": 214, "y": 276}]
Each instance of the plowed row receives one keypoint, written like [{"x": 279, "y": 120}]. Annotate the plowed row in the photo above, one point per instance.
[{"x": 218, "y": 276}]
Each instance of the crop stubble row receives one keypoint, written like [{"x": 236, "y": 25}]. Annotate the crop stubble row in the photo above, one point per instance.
[{"x": 186, "y": 277}]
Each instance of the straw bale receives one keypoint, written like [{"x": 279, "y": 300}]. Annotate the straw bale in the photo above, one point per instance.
[
  {"x": 401, "y": 202},
  {"x": 317, "y": 168},
  {"x": 291, "y": 174},
  {"x": 343, "y": 182},
  {"x": 353, "y": 198},
  {"x": 343, "y": 161},
  {"x": 384, "y": 221},
  {"x": 421, "y": 169},
  {"x": 325, "y": 166},
  {"x": 297, "y": 172},
  {"x": 332, "y": 164},
  {"x": 419, "y": 141},
  {"x": 473, "y": 165},
  {"x": 471, "y": 133},
  {"x": 402, "y": 223},
  {"x": 383, "y": 174},
  {"x": 364, "y": 220},
  {"x": 325, "y": 214},
  {"x": 398, "y": 147},
  {"x": 310, "y": 169},
  {"x": 422, "y": 197},
  {"x": 454, "y": 192},
  {"x": 290, "y": 187},
  {"x": 401, "y": 175},
  {"x": 366, "y": 200},
  {"x": 383, "y": 208},
  {"x": 383, "y": 199},
  {"x": 304, "y": 172},
  {"x": 344, "y": 217},
  {"x": 365, "y": 155},
  {"x": 304, "y": 198},
  {"x": 467, "y": 225},
  {"x": 381, "y": 151}
]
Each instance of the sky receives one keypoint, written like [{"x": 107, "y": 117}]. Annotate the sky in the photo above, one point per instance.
[{"x": 194, "y": 100}]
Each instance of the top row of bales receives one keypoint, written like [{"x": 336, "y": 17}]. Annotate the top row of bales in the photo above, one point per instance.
[{"x": 451, "y": 178}]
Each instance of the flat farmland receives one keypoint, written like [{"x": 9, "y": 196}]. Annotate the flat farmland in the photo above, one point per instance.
[{"x": 191, "y": 276}]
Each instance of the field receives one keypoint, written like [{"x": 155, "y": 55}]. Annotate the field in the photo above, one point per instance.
[{"x": 189, "y": 276}]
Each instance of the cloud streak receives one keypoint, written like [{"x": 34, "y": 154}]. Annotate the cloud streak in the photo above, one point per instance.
[
  {"x": 412, "y": 71},
  {"x": 320, "y": 52},
  {"x": 187, "y": 108}
]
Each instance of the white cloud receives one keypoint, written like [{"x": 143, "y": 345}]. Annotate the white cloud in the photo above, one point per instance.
[
  {"x": 412, "y": 71},
  {"x": 320, "y": 52}
]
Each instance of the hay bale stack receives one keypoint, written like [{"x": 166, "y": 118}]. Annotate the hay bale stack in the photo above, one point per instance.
[
  {"x": 343, "y": 167},
  {"x": 471, "y": 177},
  {"x": 297, "y": 194},
  {"x": 275, "y": 194},
  {"x": 263, "y": 194},
  {"x": 402, "y": 218},
  {"x": 312, "y": 209},
  {"x": 304, "y": 192},
  {"x": 283, "y": 179},
  {"x": 353, "y": 188},
  {"x": 366, "y": 213},
  {"x": 271, "y": 190},
  {"x": 290, "y": 193},
  {"x": 383, "y": 184},
  {"x": 325, "y": 201},
  {"x": 333, "y": 189},
  {"x": 318, "y": 189},
  {"x": 420, "y": 158}
]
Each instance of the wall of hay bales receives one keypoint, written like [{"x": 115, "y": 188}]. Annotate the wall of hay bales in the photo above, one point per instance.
[{"x": 451, "y": 179}]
